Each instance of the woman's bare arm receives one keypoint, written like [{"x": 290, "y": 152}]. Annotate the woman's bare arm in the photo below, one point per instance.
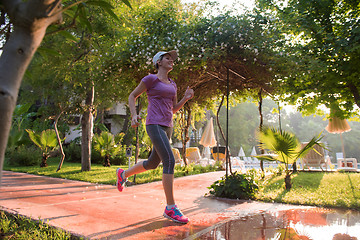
[{"x": 132, "y": 99}]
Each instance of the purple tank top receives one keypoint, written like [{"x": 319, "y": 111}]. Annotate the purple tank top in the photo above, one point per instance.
[{"x": 161, "y": 98}]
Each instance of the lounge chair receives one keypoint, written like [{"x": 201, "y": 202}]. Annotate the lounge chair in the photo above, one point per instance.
[
  {"x": 177, "y": 156},
  {"x": 219, "y": 153},
  {"x": 314, "y": 158},
  {"x": 193, "y": 155},
  {"x": 347, "y": 164}
]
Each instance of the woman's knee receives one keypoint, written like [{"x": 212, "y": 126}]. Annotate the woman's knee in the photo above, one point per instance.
[
  {"x": 149, "y": 165},
  {"x": 169, "y": 166}
]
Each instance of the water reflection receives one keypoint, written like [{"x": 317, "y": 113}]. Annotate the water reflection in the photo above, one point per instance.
[{"x": 310, "y": 223}]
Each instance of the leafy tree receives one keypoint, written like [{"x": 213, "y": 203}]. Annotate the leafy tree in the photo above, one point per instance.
[
  {"x": 24, "y": 24},
  {"x": 46, "y": 141},
  {"x": 323, "y": 52},
  {"x": 208, "y": 47}
]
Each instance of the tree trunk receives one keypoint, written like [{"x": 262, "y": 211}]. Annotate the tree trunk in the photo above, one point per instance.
[
  {"x": 222, "y": 132},
  {"x": 59, "y": 141},
  {"x": 44, "y": 160},
  {"x": 294, "y": 167},
  {"x": 137, "y": 147},
  {"x": 100, "y": 120},
  {"x": 185, "y": 130},
  {"x": 125, "y": 128},
  {"x": 260, "y": 128},
  {"x": 287, "y": 181},
  {"x": 86, "y": 130},
  {"x": 107, "y": 161},
  {"x": 355, "y": 91},
  {"x": 30, "y": 20}
]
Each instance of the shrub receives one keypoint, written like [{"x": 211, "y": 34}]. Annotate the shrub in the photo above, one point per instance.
[
  {"x": 235, "y": 186},
  {"x": 96, "y": 157},
  {"x": 144, "y": 152},
  {"x": 24, "y": 156},
  {"x": 73, "y": 152},
  {"x": 120, "y": 158}
]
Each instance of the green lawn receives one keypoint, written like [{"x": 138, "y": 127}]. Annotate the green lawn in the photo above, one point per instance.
[
  {"x": 104, "y": 175},
  {"x": 324, "y": 189}
]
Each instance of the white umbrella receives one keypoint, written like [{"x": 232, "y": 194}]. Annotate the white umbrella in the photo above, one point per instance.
[
  {"x": 253, "y": 153},
  {"x": 337, "y": 125},
  {"x": 208, "y": 138},
  {"x": 241, "y": 153}
]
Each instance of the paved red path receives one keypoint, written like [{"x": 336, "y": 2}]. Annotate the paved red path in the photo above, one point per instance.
[{"x": 101, "y": 212}]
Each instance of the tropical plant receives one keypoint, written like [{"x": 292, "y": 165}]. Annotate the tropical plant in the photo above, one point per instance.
[
  {"x": 108, "y": 145},
  {"x": 284, "y": 147},
  {"x": 46, "y": 141},
  {"x": 17, "y": 136}
]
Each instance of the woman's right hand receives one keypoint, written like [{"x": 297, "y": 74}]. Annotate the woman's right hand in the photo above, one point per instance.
[
  {"x": 135, "y": 121},
  {"x": 189, "y": 93}
]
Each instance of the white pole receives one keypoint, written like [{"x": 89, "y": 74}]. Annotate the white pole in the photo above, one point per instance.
[{"x": 342, "y": 146}]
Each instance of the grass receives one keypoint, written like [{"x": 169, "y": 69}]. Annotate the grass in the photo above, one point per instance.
[
  {"x": 323, "y": 189},
  {"x": 104, "y": 175},
  {"x": 17, "y": 227}
]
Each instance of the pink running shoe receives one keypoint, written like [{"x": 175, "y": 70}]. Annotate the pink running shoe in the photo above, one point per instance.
[
  {"x": 120, "y": 181},
  {"x": 175, "y": 215}
]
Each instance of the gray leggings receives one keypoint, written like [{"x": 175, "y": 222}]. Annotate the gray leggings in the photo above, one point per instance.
[{"x": 161, "y": 150}]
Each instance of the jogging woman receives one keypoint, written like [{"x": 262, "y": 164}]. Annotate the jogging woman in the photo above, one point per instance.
[{"x": 162, "y": 104}]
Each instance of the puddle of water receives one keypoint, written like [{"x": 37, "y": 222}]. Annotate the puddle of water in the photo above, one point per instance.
[{"x": 295, "y": 224}]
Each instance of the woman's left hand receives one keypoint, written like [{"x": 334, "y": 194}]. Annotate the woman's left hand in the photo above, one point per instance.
[{"x": 189, "y": 93}]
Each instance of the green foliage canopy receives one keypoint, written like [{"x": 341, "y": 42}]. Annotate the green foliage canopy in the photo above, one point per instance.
[
  {"x": 323, "y": 52},
  {"x": 207, "y": 46}
]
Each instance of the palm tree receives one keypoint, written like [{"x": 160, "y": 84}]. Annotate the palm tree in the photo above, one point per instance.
[
  {"x": 284, "y": 147},
  {"x": 46, "y": 141},
  {"x": 107, "y": 145}
]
